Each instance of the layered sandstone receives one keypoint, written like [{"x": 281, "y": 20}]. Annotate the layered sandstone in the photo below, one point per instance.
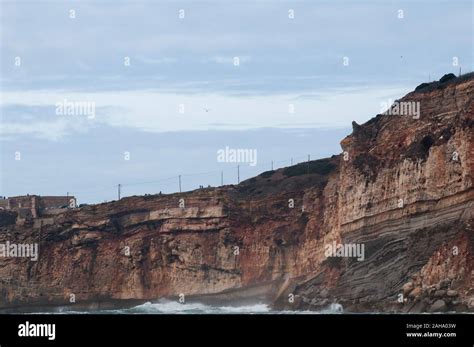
[{"x": 402, "y": 188}]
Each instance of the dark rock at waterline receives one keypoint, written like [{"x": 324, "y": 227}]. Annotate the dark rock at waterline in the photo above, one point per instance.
[{"x": 439, "y": 306}]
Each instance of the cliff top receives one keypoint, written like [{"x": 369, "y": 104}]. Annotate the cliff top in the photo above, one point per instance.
[{"x": 425, "y": 117}]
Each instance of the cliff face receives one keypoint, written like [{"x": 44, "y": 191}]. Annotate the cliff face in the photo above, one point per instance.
[
  {"x": 402, "y": 189},
  {"x": 405, "y": 192}
]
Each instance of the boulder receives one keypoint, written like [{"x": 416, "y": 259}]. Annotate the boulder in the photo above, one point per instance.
[
  {"x": 418, "y": 307},
  {"x": 407, "y": 288},
  {"x": 439, "y": 306},
  {"x": 415, "y": 293},
  {"x": 452, "y": 293},
  {"x": 470, "y": 304},
  {"x": 444, "y": 284}
]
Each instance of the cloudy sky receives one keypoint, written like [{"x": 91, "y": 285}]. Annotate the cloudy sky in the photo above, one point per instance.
[{"x": 172, "y": 82}]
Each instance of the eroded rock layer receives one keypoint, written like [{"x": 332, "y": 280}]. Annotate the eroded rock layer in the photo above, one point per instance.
[{"x": 402, "y": 188}]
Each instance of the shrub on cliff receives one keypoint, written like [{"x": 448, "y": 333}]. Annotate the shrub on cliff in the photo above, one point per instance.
[
  {"x": 320, "y": 167},
  {"x": 447, "y": 77}
]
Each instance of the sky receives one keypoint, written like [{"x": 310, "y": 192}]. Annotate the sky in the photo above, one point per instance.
[{"x": 99, "y": 93}]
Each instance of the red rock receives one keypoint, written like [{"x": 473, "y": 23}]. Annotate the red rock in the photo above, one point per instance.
[{"x": 401, "y": 194}]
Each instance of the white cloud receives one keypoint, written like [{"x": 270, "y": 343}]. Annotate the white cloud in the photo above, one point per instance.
[
  {"x": 158, "y": 111},
  {"x": 49, "y": 130}
]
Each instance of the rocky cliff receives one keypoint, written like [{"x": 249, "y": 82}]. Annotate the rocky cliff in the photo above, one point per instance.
[{"x": 400, "y": 192}]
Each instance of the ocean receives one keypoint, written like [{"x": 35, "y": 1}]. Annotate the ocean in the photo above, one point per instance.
[{"x": 172, "y": 307}]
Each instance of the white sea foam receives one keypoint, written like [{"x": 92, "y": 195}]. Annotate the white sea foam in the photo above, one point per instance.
[{"x": 173, "y": 307}]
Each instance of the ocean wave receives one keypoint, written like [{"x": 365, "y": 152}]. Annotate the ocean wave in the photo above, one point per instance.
[{"x": 173, "y": 307}]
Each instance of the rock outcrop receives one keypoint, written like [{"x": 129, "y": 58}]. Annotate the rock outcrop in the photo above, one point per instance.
[{"x": 401, "y": 191}]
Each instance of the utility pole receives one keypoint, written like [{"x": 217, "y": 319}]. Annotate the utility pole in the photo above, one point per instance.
[
  {"x": 118, "y": 188},
  {"x": 179, "y": 183},
  {"x": 308, "y": 162},
  {"x": 238, "y": 174},
  {"x": 222, "y": 178},
  {"x": 291, "y": 161},
  {"x": 67, "y": 199},
  {"x": 272, "y": 165}
]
